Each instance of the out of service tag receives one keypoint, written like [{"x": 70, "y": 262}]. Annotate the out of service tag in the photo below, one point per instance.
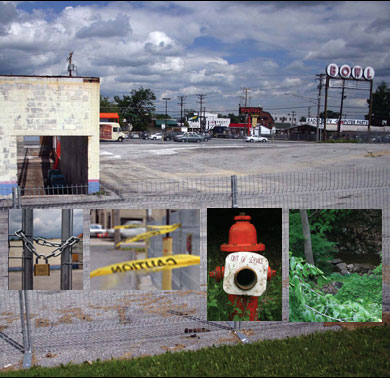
[{"x": 153, "y": 264}]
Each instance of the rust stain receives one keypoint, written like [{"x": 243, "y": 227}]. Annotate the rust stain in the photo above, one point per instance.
[
  {"x": 40, "y": 323},
  {"x": 352, "y": 326},
  {"x": 175, "y": 348},
  {"x": 377, "y": 154},
  {"x": 386, "y": 274}
]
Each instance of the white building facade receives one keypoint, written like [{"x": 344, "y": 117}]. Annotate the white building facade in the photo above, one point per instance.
[{"x": 212, "y": 120}]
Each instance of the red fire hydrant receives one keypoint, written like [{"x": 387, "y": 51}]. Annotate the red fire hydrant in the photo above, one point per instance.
[{"x": 246, "y": 272}]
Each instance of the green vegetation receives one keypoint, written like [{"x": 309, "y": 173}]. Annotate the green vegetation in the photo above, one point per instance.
[
  {"x": 137, "y": 108},
  {"x": 364, "y": 352},
  {"x": 317, "y": 294},
  {"x": 358, "y": 300}
]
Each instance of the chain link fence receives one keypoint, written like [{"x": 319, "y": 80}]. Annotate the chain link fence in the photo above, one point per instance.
[{"x": 78, "y": 326}]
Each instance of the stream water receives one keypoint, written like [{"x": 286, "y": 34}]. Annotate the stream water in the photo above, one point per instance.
[{"x": 370, "y": 258}]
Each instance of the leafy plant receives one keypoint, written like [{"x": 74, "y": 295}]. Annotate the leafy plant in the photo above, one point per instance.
[
  {"x": 309, "y": 304},
  {"x": 321, "y": 224}
]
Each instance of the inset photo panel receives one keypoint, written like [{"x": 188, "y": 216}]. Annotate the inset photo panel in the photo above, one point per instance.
[
  {"x": 145, "y": 249},
  {"x": 244, "y": 264},
  {"x": 335, "y": 265},
  {"x": 45, "y": 249}
]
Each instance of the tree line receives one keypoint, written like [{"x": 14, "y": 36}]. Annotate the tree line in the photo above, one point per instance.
[{"x": 138, "y": 108}]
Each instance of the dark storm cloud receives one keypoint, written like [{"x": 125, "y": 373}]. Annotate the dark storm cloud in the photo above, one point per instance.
[
  {"x": 105, "y": 29},
  {"x": 379, "y": 25},
  {"x": 8, "y": 13}
]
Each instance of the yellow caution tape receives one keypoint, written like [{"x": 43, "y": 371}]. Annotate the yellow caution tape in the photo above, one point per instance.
[
  {"x": 159, "y": 230},
  {"x": 129, "y": 226},
  {"x": 153, "y": 264}
]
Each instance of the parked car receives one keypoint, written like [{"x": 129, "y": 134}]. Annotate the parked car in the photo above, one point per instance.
[
  {"x": 252, "y": 139},
  {"x": 189, "y": 137},
  {"x": 171, "y": 135},
  {"x": 156, "y": 136},
  {"x": 136, "y": 228},
  {"x": 206, "y": 137},
  {"x": 96, "y": 230}
]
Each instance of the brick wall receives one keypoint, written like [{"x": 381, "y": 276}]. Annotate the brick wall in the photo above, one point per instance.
[{"x": 38, "y": 106}]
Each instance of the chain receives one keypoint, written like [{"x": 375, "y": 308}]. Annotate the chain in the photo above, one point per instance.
[{"x": 59, "y": 248}]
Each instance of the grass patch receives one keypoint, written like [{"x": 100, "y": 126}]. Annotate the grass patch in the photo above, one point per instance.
[{"x": 364, "y": 352}]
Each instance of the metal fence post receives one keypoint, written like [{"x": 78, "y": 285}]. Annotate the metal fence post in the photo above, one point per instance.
[
  {"x": 27, "y": 261},
  {"x": 14, "y": 197},
  {"x": 22, "y": 320},
  {"x": 66, "y": 255},
  {"x": 26, "y": 329},
  {"x": 27, "y": 360},
  {"x": 234, "y": 324},
  {"x": 234, "y": 192}
]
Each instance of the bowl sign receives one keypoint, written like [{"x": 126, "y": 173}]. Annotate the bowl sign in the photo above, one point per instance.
[{"x": 346, "y": 72}]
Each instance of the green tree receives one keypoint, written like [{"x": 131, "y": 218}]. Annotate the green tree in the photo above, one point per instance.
[
  {"x": 106, "y": 106},
  {"x": 236, "y": 118},
  {"x": 380, "y": 105},
  {"x": 137, "y": 108},
  {"x": 330, "y": 114},
  {"x": 162, "y": 116}
]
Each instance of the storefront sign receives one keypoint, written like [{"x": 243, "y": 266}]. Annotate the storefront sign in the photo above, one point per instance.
[{"x": 346, "y": 72}]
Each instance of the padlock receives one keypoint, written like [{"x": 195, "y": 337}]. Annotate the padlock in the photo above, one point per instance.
[{"x": 41, "y": 269}]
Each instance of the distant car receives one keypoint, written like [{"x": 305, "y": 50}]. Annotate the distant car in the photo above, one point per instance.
[
  {"x": 171, "y": 135},
  {"x": 96, "y": 230},
  {"x": 189, "y": 137},
  {"x": 157, "y": 136},
  {"x": 206, "y": 137},
  {"x": 137, "y": 228},
  {"x": 252, "y": 139}
]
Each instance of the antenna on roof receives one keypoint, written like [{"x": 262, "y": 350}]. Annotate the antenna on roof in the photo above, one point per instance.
[{"x": 71, "y": 67}]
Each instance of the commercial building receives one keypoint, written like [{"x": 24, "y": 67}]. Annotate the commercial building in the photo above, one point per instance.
[{"x": 211, "y": 120}]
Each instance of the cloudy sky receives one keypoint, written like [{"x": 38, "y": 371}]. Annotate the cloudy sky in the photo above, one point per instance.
[
  {"x": 47, "y": 222},
  {"x": 214, "y": 48}
]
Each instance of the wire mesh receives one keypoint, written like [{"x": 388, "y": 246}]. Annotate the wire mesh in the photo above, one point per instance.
[{"x": 74, "y": 326}]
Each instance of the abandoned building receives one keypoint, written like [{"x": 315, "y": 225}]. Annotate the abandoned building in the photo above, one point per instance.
[{"x": 47, "y": 124}]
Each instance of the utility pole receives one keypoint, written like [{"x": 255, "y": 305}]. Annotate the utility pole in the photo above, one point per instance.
[
  {"x": 293, "y": 119},
  {"x": 166, "y": 99},
  {"x": 245, "y": 97},
  {"x": 320, "y": 76},
  {"x": 201, "y": 96},
  {"x": 326, "y": 106},
  {"x": 181, "y": 103},
  {"x": 370, "y": 113},
  {"x": 341, "y": 110}
]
